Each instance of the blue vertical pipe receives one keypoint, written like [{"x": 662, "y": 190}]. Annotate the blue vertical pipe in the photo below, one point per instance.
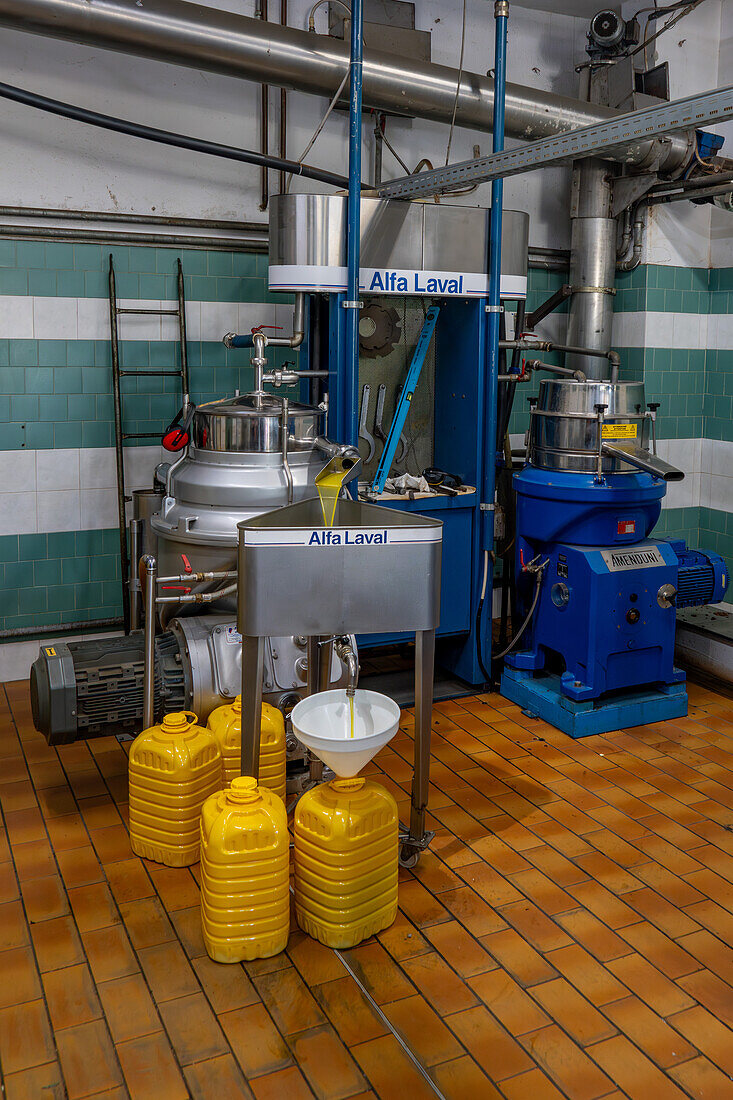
[
  {"x": 501, "y": 17},
  {"x": 353, "y": 229}
]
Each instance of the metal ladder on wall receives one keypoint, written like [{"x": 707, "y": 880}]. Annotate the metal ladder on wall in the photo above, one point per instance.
[{"x": 115, "y": 312}]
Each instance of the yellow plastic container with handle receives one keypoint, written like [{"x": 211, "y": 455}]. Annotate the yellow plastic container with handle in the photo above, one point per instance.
[
  {"x": 226, "y": 724},
  {"x": 245, "y": 884},
  {"x": 346, "y": 848},
  {"x": 173, "y": 768}
]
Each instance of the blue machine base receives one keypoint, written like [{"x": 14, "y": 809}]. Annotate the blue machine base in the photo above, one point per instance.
[{"x": 540, "y": 694}]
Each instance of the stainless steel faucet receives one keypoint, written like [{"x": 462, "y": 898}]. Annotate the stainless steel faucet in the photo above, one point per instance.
[{"x": 345, "y": 651}]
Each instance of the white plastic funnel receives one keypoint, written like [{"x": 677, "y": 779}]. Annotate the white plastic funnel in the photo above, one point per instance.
[{"x": 322, "y": 722}]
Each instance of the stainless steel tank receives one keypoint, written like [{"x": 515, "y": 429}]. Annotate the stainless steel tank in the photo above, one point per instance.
[
  {"x": 243, "y": 460},
  {"x": 565, "y": 425}
]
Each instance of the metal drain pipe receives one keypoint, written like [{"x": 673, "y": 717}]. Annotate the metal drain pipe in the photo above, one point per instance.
[
  {"x": 236, "y": 45},
  {"x": 592, "y": 266}
]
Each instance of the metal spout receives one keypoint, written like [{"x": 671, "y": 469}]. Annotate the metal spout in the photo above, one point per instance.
[
  {"x": 345, "y": 652},
  {"x": 644, "y": 460}
]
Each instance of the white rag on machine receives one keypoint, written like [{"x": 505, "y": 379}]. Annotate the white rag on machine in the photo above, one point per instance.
[{"x": 406, "y": 483}]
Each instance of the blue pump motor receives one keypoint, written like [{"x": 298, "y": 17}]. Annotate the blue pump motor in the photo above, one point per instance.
[{"x": 702, "y": 576}]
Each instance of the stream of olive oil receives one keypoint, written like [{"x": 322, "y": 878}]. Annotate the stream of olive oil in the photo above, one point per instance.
[{"x": 329, "y": 484}]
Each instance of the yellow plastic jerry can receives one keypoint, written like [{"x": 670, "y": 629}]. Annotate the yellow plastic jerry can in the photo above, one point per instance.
[
  {"x": 245, "y": 886},
  {"x": 173, "y": 768},
  {"x": 226, "y": 724},
  {"x": 346, "y": 861}
]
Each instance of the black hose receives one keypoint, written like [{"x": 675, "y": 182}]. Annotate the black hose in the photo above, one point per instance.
[
  {"x": 165, "y": 137},
  {"x": 528, "y": 617}
]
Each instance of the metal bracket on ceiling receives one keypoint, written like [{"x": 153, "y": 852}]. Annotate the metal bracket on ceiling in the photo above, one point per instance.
[{"x": 627, "y": 189}]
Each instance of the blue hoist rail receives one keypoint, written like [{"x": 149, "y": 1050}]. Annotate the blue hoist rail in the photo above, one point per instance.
[{"x": 405, "y": 398}]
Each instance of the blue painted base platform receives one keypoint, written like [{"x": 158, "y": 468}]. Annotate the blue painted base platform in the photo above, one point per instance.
[{"x": 539, "y": 694}]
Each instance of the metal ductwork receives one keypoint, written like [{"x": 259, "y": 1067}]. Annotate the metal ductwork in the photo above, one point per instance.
[{"x": 234, "y": 45}]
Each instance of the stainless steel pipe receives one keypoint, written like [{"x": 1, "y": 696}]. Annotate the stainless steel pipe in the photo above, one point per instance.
[
  {"x": 235, "y": 45},
  {"x": 592, "y": 266}
]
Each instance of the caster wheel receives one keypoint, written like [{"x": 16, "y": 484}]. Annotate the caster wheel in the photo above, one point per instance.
[{"x": 408, "y": 857}]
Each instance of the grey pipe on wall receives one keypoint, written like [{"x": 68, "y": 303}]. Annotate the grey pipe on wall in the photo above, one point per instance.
[{"x": 236, "y": 45}]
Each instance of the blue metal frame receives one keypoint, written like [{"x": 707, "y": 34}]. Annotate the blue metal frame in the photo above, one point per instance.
[
  {"x": 403, "y": 404},
  {"x": 353, "y": 225}
]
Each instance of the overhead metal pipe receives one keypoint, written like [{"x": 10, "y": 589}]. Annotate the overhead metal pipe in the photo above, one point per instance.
[{"x": 236, "y": 45}]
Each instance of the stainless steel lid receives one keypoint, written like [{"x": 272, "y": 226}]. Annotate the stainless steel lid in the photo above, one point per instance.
[
  {"x": 252, "y": 423},
  {"x": 564, "y": 425}
]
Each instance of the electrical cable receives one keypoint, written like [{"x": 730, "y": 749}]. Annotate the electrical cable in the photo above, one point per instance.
[
  {"x": 528, "y": 617},
  {"x": 166, "y": 137},
  {"x": 319, "y": 128},
  {"x": 458, "y": 86}
]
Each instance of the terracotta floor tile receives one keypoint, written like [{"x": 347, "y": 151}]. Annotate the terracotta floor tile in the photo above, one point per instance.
[
  {"x": 167, "y": 971},
  {"x": 573, "y": 1012},
  {"x": 109, "y": 953},
  {"x": 18, "y": 795},
  {"x": 419, "y": 905},
  {"x": 714, "y": 918},
  {"x": 150, "y": 1069},
  {"x": 9, "y": 888},
  {"x": 176, "y": 887},
  {"x": 593, "y": 935},
  {"x": 378, "y": 973},
  {"x": 93, "y": 907},
  {"x": 289, "y": 1001},
  {"x": 592, "y": 980},
  {"x": 288, "y": 1083},
  {"x": 351, "y": 1014},
  {"x": 440, "y": 985},
  {"x": 462, "y": 1077},
  {"x": 603, "y": 904},
  {"x": 667, "y": 917},
  {"x": 708, "y": 1034},
  {"x": 128, "y": 1008},
  {"x": 390, "y": 1072},
  {"x": 521, "y": 960},
  {"x": 326, "y": 1064},
  {"x": 44, "y": 898},
  {"x": 146, "y": 922},
  {"x": 423, "y": 1030},
  {"x": 508, "y": 1002},
  {"x": 460, "y": 949},
  {"x": 566, "y": 1064},
  {"x": 128, "y": 880},
  {"x": 636, "y": 1075},
  {"x": 700, "y": 1078},
  {"x": 56, "y": 802},
  {"x": 26, "y": 1039},
  {"x": 402, "y": 939},
  {"x": 535, "y": 926},
  {"x": 187, "y": 923},
  {"x": 221, "y": 1079},
  {"x": 25, "y": 826},
  {"x": 662, "y": 995},
  {"x": 79, "y": 866},
  {"x": 192, "y": 1029},
  {"x": 492, "y": 1047},
  {"x": 13, "y": 926},
  {"x": 660, "y": 950},
  {"x": 34, "y": 860},
  {"x": 257, "y": 1044},
  {"x": 226, "y": 987},
  {"x": 315, "y": 962},
  {"x": 710, "y": 991},
  {"x": 57, "y": 943},
  {"x": 533, "y": 1084},
  {"x": 489, "y": 884},
  {"x": 19, "y": 977},
  {"x": 472, "y": 911},
  {"x": 111, "y": 844},
  {"x": 649, "y": 1032},
  {"x": 71, "y": 996},
  {"x": 99, "y": 812},
  {"x": 44, "y": 1082}
]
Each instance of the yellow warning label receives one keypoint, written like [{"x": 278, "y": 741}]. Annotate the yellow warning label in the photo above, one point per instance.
[
  {"x": 619, "y": 431},
  {"x": 50, "y": 652}
]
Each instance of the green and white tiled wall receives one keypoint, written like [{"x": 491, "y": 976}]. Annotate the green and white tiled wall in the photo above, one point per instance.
[{"x": 57, "y": 501}]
